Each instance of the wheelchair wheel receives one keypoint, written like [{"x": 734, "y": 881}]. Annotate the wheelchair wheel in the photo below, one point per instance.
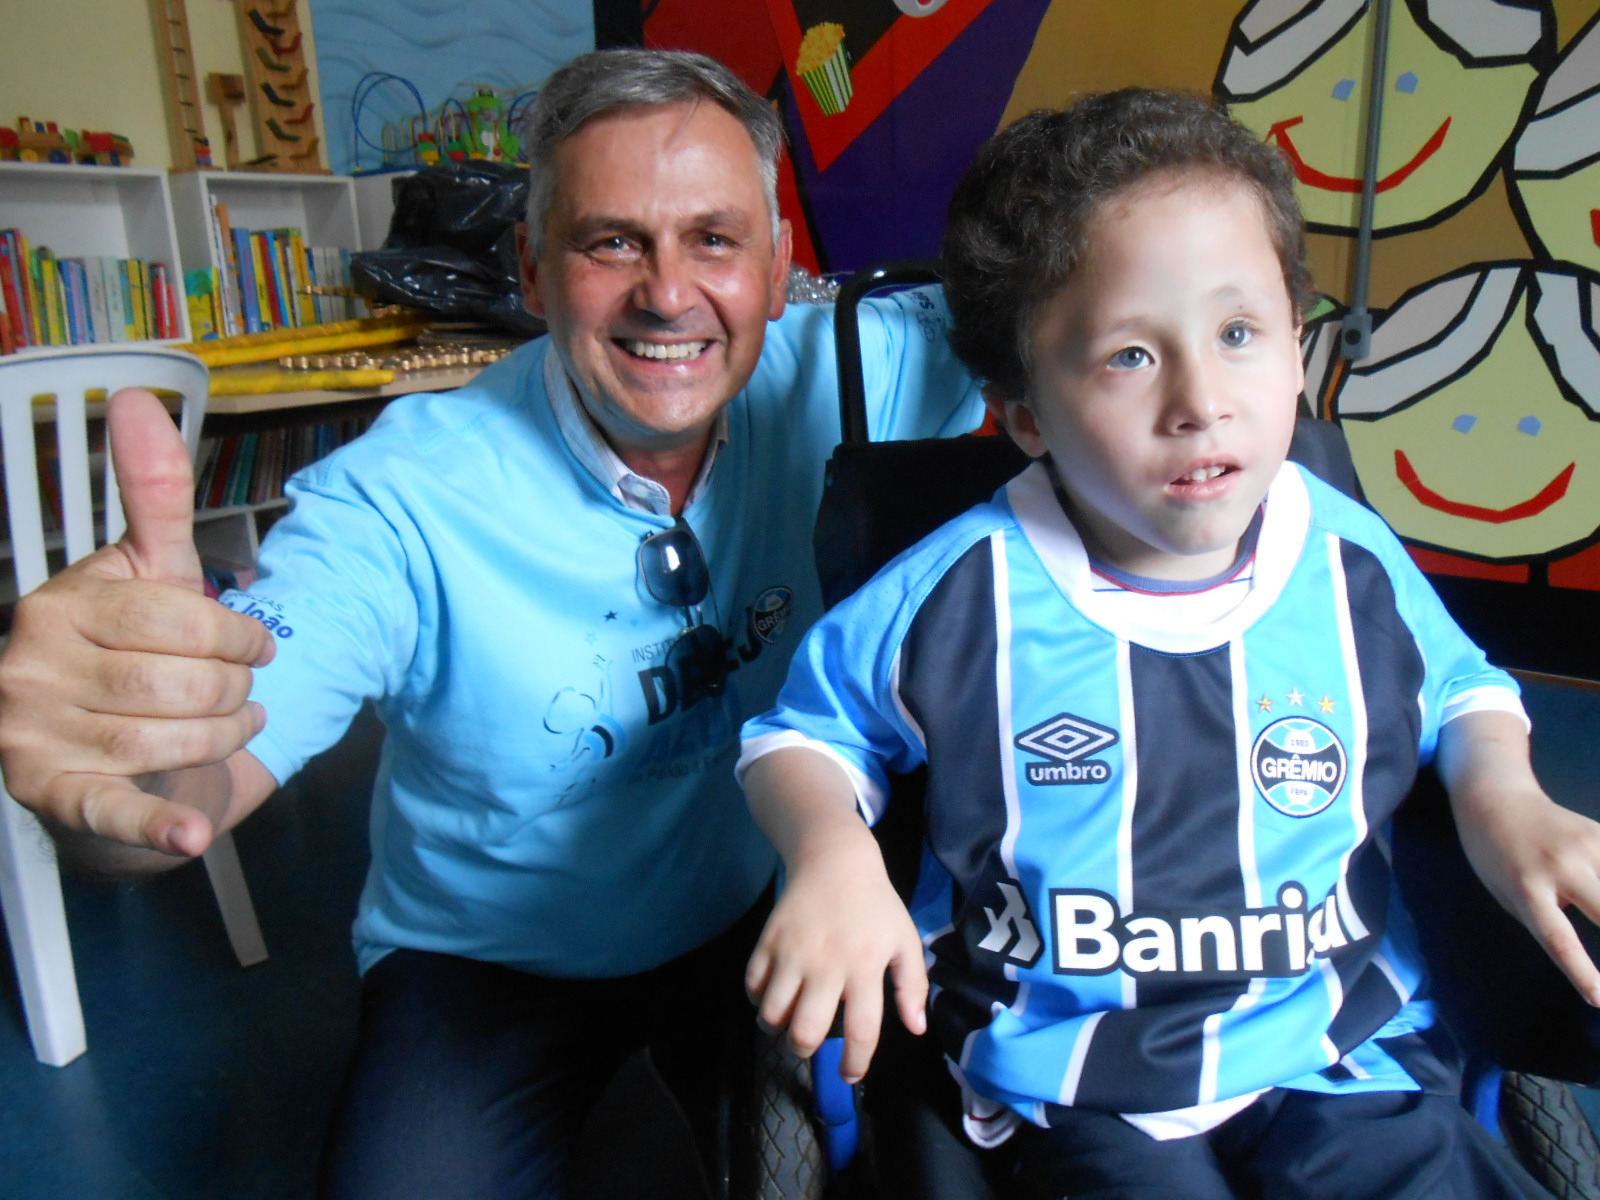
[
  {"x": 1542, "y": 1122},
  {"x": 775, "y": 1153}
]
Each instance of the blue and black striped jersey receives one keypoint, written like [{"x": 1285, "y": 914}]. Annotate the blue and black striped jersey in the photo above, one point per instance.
[{"x": 1155, "y": 874}]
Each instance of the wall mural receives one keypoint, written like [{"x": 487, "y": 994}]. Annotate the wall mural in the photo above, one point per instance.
[
  {"x": 1460, "y": 76},
  {"x": 1475, "y": 422}
]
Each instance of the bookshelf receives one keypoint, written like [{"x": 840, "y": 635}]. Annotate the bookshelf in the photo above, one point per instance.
[
  {"x": 83, "y": 211},
  {"x": 129, "y": 212},
  {"x": 295, "y": 230},
  {"x": 322, "y": 207}
]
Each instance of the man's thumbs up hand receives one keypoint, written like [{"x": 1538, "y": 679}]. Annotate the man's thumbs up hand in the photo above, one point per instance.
[
  {"x": 119, "y": 668},
  {"x": 157, "y": 486}
]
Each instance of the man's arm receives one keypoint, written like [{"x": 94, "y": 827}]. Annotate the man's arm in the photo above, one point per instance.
[
  {"x": 1535, "y": 857},
  {"x": 839, "y": 924},
  {"x": 120, "y": 670}
]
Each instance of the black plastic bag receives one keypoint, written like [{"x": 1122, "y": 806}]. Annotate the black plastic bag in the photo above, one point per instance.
[{"x": 452, "y": 249}]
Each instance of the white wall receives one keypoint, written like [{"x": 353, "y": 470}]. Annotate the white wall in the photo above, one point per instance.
[{"x": 92, "y": 64}]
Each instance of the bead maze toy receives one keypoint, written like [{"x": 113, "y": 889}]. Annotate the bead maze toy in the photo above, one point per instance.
[{"x": 278, "y": 88}]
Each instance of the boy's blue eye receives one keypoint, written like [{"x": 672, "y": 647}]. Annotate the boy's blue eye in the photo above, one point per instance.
[
  {"x": 1235, "y": 336},
  {"x": 1130, "y": 359}
]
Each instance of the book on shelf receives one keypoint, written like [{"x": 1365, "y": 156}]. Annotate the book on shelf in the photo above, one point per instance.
[
  {"x": 99, "y": 312},
  {"x": 74, "y": 299},
  {"x": 265, "y": 277},
  {"x": 160, "y": 301},
  {"x": 243, "y": 263},
  {"x": 113, "y": 277},
  {"x": 11, "y": 286},
  {"x": 202, "y": 289},
  {"x": 251, "y": 468},
  {"x": 79, "y": 300},
  {"x": 229, "y": 319},
  {"x": 49, "y": 276}
]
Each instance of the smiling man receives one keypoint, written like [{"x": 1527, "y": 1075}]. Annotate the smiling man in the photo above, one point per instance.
[{"x": 563, "y": 587}]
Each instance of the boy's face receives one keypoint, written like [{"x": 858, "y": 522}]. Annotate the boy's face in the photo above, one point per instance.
[{"x": 1165, "y": 377}]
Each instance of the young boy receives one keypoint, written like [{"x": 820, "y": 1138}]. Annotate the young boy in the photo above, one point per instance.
[{"x": 1169, "y": 690}]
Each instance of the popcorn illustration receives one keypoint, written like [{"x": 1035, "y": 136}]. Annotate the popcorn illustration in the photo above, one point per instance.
[{"x": 825, "y": 67}]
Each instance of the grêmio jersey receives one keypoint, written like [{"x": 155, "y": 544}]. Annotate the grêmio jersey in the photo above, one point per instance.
[{"x": 1154, "y": 875}]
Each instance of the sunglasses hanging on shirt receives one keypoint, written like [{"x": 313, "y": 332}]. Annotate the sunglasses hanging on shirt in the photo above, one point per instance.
[{"x": 674, "y": 570}]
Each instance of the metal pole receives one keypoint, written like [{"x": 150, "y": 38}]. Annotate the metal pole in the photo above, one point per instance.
[{"x": 1355, "y": 342}]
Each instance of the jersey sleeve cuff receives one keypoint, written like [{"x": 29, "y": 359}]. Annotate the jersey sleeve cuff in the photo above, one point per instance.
[
  {"x": 870, "y": 795},
  {"x": 1490, "y": 698}
]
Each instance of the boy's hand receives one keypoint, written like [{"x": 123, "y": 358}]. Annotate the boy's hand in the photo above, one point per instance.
[
  {"x": 838, "y": 927},
  {"x": 839, "y": 924},
  {"x": 1535, "y": 857},
  {"x": 1537, "y": 865}
]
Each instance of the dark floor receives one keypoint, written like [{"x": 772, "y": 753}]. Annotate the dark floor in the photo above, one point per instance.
[{"x": 204, "y": 1080}]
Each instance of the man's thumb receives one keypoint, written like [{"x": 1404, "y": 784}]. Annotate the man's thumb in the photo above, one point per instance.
[{"x": 157, "y": 486}]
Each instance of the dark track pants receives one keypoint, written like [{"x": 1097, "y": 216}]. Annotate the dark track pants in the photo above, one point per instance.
[
  {"x": 1287, "y": 1146},
  {"x": 471, "y": 1081}
]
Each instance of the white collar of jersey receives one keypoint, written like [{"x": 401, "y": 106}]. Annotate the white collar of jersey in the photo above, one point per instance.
[
  {"x": 1284, "y": 528},
  {"x": 589, "y": 447}
]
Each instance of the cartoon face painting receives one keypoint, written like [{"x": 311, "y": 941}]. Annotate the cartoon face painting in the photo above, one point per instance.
[
  {"x": 1458, "y": 78},
  {"x": 1555, "y": 173},
  {"x": 1475, "y": 422}
]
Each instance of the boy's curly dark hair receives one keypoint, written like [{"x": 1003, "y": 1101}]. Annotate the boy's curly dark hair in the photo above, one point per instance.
[{"x": 1018, "y": 217}]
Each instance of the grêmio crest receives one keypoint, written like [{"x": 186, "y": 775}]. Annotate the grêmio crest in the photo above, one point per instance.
[{"x": 1299, "y": 766}]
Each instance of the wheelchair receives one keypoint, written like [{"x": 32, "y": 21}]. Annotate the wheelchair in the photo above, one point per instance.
[{"x": 1526, "y": 1033}]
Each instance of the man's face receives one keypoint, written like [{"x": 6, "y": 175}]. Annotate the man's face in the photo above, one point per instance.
[
  {"x": 1165, "y": 375},
  {"x": 658, "y": 273}
]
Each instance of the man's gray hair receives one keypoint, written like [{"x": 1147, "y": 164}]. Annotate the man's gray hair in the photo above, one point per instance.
[{"x": 605, "y": 81}]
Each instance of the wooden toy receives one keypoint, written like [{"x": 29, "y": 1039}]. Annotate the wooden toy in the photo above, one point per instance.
[
  {"x": 41, "y": 141},
  {"x": 180, "y": 87},
  {"x": 279, "y": 94}
]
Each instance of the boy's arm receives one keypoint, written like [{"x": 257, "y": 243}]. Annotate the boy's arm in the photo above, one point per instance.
[
  {"x": 839, "y": 923},
  {"x": 1534, "y": 856}
]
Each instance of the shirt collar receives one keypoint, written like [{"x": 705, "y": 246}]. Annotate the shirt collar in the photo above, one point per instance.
[{"x": 591, "y": 449}]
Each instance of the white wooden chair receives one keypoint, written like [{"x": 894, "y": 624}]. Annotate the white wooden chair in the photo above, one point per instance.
[{"x": 30, "y": 885}]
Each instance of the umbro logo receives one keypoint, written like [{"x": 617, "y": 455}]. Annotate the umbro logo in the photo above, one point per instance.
[{"x": 1066, "y": 742}]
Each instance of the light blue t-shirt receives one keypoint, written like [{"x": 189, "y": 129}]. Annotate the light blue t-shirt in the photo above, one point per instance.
[{"x": 549, "y": 795}]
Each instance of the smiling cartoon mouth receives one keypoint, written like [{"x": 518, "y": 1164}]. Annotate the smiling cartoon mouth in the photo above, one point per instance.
[
  {"x": 1548, "y": 495},
  {"x": 1311, "y": 177}
]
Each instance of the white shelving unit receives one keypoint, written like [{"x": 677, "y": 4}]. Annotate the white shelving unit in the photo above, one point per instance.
[
  {"x": 88, "y": 211},
  {"x": 322, "y": 207}
]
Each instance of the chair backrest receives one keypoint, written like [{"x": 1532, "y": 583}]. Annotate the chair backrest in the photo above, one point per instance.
[{"x": 69, "y": 374}]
